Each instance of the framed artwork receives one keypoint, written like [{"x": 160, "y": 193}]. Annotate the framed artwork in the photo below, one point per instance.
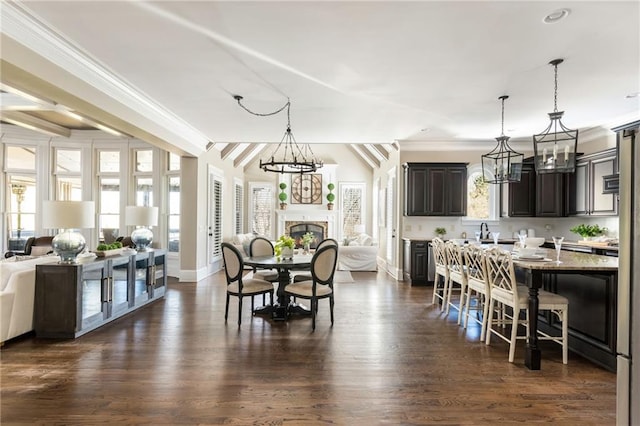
[{"x": 306, "y": 188}]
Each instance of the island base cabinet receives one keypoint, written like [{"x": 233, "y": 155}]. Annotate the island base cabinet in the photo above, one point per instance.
[{"x": 592, "y": 314}]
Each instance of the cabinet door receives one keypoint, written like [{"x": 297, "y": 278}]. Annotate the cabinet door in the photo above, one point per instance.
[
  {"x": 94, "y": 290},
  {"x": 436, "y": 196},
  {"x": 141, "y": 293},
  {"x": 602, "y": 204},
  {"x": 522, "y": 194},
  {"x": 419, "y": 261},
  {"x": 120, "y": 294},
  {"x": 416, "y": 191},
  {"x": 582, "y": 194},
  {"x": 456, "y": 194},
  {"x": 159, "y": 274},
  {"x": 550, "y": 195}
]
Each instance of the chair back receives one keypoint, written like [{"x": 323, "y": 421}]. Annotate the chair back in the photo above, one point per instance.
[
  {"x": 44, "y": 243},
  {"x": 233, "y": 263},
  {"x": 440, "y": 257},
  {"x": 323, "y": 265},
  {"x": 475, "y": 261},
  {"x": 502, "y": 277},
  {"x": 260, "y": 246},
  {"x": 455, "y": 261},
  {"x": 327, "y": 241}
]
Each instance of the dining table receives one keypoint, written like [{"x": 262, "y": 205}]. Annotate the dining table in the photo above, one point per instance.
[
  {"x": 284, "y": 307},
  {"x": 546, "y": 263}
]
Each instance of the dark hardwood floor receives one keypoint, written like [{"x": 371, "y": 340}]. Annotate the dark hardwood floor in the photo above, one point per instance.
[{"x": 391, "y": 358}]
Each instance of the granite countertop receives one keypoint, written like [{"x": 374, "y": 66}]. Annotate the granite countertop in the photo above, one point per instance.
[{"x": 573, "y": 261}]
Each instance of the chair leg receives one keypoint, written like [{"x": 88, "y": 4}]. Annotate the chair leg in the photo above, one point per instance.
[
  {"x": 490, "y": 322},
  {"x": 252, "y": 308},
  {"x": 435, "y": 289},
  {"x": 514, "y": 336},
  {"x": 445, "y": 290},
  {"x": 226, "y": 309},
  {"x": 485, "y": 320},
  {"x": 314, "y": 309},
  {"x": 331, "y": 308},
  {"x": 239, "y": 310},
  {"x": 463, "y": 296},
  {"x": 565, "y": 335},
  {"x": 467, "y": 305}
]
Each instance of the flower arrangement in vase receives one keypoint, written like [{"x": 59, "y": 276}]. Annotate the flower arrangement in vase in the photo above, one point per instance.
[
  {"x": 440, "y": 231},
  {"x": 307, "y": 239},
  {"x": 284, "y": 247}
]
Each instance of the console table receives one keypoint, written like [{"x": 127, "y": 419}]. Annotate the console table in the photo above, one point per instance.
[{"x": 73, "y": 299}]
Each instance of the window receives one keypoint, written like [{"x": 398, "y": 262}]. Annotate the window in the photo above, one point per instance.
[
  {"x": 21, "y": 195},
  {"x": 238, "y": 192},
  {"x": 261, "y": 208},
  {"x": 352, "y": 199},
  {"x": 108, "y": 190},
  {"x": 68, "y": 174},
  {"x": 482, "y": 197},
  {"x": 173, "y": 203}
]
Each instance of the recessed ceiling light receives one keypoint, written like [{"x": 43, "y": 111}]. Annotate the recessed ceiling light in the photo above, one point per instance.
[
  {"x": 633, "y": 95},
  {"x": 556, "y": 16}
]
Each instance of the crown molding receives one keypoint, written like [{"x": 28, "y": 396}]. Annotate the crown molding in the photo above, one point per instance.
[{"x": 24, "y": 26}]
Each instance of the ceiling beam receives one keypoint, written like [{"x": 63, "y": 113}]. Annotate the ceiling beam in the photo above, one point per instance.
[
  {"x": 366, "y": 156},
  {"x": 228, "y": 150},
  {"x": 381, "y": 150},
  {"x": 30, "y": 122},
  {"x": 246, "y": 155}
]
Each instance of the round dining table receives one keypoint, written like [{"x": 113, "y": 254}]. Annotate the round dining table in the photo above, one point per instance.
[{"x": 281, "y": 310}]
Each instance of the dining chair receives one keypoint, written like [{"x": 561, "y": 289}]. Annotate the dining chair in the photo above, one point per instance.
[
  {"x": 306, "y": 277},
  {"x": 323, "y": 267},
  {"x": 505, "y": 290},
  {"x": 457, "y": 275},
  {"x": 478, "y": 287},
  {"x": 261, "y": 246},
  {"x": 442, "y": 273},
  {"x": 236, "y": 285}
]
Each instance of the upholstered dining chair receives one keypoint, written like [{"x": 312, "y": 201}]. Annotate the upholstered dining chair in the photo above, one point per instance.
[
  {"x": 236, "y": 285},
  {"x": 457, "y": 275},
  {"x": 260, "y": 246},
  {"x": 505, "y": 290},
  {"x": 325, "y": 242},
  {"x": 442, "y": 273},
  {"x": 35, "y": 246},
  {"x": 323, "y": 268}
]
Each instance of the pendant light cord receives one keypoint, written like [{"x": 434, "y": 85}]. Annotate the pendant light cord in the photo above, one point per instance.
[
  {"x": 287, "y": 105},
  {"x": 555, "y": 90}
]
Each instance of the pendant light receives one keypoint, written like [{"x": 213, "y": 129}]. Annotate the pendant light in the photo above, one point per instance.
[
  {"x": 503, "y": 162},
  {"x": 555, "y": 148},
  {"x": 288, "y": 156}
]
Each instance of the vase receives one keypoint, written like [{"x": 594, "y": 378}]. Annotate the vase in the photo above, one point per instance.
[
  {"x": 287, "y": 253},
  {"x": 307, "y": 248}
]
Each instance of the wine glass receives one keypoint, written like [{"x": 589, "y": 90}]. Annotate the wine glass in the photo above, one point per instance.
[
  {"x": 495, "y": 237},
  {"x": 557, "y": 242}
]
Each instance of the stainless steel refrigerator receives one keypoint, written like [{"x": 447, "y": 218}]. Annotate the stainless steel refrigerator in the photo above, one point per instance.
[{"x": 628, "y": 339}]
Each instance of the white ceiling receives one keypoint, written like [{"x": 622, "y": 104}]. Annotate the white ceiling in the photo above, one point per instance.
[{"x": 421, "y": 73}]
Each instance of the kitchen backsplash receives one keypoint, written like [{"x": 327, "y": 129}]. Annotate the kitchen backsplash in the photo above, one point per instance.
[{"x": 424, "y": 227}]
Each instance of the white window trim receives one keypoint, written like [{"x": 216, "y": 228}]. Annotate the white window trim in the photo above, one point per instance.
[
  {"x": 494, "y": 199},
  {"x": 250, "y": 209}
]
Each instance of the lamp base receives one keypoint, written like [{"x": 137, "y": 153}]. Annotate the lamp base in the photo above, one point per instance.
[
  {"x": 142, "y": 238},
  {"x": 68, "y": 244}
]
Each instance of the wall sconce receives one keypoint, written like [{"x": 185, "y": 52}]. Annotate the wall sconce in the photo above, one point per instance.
[
  {"x": 142, "y": 217},
  {"x": 68, "y": 216}
]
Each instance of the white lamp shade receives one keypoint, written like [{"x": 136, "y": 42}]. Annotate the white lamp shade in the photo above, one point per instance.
[
  {"x": 68, "y": 214},
  {"x": 141, "y": 216},
  {"x": 360, "y": 228}
]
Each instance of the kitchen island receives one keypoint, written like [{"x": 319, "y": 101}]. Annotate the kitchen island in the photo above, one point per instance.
[{"x": 590, "y": 283}]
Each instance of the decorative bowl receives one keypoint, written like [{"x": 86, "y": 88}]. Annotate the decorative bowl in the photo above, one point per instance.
[{"x": 533, "y": 241}]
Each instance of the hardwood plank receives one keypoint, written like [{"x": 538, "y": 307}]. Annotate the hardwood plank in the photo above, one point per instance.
[{"x": 390, "y": 358}]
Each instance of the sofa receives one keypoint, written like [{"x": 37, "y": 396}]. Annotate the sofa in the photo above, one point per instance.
[
  {"x": 358, "y": 254},
  {"x": 17, "y": 293}
]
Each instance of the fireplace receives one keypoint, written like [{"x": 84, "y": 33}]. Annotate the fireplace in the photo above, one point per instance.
[
  {"x": 297, "y": 229},
  {"x": 327, "y": 219}
]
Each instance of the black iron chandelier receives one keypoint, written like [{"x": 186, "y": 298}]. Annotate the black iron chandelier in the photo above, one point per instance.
[
  {"x": 555, "y": 148},
  {"x": 293, "y": 158},
  {"x": 503, "y": 162}
]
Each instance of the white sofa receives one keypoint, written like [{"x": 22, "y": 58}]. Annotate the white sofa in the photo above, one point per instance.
[
  {"x": 17, "y": 293},
  {"x": 359, "y": 254}
]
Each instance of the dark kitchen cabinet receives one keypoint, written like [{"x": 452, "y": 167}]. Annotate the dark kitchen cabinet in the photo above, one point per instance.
[
  {"x": 545, "y": 195},
  {"x": 416, "y": 262},
  {"x": 435, "y": 189}
]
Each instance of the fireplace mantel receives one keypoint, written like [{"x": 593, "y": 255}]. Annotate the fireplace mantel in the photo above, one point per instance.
[{"x": 308, "y": 215}]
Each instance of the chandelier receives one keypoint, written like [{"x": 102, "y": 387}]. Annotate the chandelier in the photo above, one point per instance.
[
  {"x": 288, "y": 156},
  {"x": 555, "y": 148},
  {"x": 503, "y": 161}
]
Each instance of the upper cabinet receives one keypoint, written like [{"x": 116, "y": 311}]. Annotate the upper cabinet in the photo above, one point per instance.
[
  {"x": 435, "y": 189},
  {"x": 545, "y": 195},
  {"x": 590, "y": 171}
]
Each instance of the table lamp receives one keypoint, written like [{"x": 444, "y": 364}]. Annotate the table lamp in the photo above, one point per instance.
[
  {"x": 68, "y": 216},
  {"x": 142, "y": 217}
]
